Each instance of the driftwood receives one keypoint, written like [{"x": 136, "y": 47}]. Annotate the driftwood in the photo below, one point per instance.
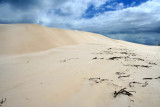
[{"x": 124, "y": 92}]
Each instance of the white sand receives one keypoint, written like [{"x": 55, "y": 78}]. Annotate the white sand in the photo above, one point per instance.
[{"x": 44, "y": 67}]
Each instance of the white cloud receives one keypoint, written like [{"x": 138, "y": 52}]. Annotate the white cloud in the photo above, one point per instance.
[
  {"x": 98, "y": 3},
  {"x": 134, "y": 19},
  {"x": 68, "y": 14},
  {"x": 115, "y": 6}
]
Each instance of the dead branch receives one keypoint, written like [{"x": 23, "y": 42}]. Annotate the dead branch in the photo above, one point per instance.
[{"x": 124, "y": 92}]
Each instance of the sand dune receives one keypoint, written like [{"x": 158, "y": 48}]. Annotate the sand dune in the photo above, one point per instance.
[
  {"x": 27, "y": 38},
  {"x": 46, "y": 67}
]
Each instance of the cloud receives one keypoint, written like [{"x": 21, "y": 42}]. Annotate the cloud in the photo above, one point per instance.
[
  {"x": 134, "y": 19},
  {"x": 143, "y": 18},
  {"x": 29, "y": 11},
  {"x": 73, "y": 14},
  {"x": 44, "y": 11},
  {"x": 143, "y": 38},
  {"x": 115, "y": 6}
]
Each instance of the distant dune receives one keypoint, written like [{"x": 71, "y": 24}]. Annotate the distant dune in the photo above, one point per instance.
[
  {"x": 26, "y": 38},
  {"x": 49, "y": 67}
]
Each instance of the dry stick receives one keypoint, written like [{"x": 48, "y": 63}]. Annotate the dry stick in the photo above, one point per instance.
[
  {"x": 98, "y": 58},
  {"x": 99, "y": 80},
  {"x": 152, "y": 63},
  {"x": 112, "y": 58},
  {"x": 104, "y": 79},
  {"x": 158, "y": 77},
  {"x": 133, "y": 82},
  {"x": 93, "y": 78},
  {"x": 139, "y": 59},
  {"x": 123, "y": 91},
  {"x": 151, "y": 78},
  {"x": 144, "y": 84},
  {"x": 146, "y": 66},
  {"x": 119, "y": 73},
  {"x": 123, "y": 76},
  {"x": 147, "y": 78}
]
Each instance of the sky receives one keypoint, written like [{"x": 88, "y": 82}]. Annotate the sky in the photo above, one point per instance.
[{"x": 135, "y": 21}]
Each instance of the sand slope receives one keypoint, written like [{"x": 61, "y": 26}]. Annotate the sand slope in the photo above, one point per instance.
[
  {"x": 27, "y": 38},
  {"x": 84, "y": 74}
]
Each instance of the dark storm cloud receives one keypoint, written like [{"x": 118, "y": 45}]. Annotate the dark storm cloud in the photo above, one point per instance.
[{"x": 22, "y": 4}]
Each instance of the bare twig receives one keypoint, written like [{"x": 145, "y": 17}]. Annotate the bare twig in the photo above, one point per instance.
[
  {"x": 145, "y": 66},
  {"x": 123, "y": 91},
  {"x": 93, "y": 78},
  {"x": 147, "y": 78},
  {"x": 113, "y": 58},
  {"x": 143, "y": 84},
  {"x": 158, "y": 77}
]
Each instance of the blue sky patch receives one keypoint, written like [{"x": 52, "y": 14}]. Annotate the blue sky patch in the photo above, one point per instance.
[{"x": 111, "y": 6}]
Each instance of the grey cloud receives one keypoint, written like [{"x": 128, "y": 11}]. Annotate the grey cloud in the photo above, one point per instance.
[
  {"x": 26, "y": 11},
  {"x": 67, "y": 14},
  {"x": 143, "y": 38}
]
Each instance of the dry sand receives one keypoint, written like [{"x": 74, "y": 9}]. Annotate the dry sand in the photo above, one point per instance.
[{"x": 45, "y": 67}]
